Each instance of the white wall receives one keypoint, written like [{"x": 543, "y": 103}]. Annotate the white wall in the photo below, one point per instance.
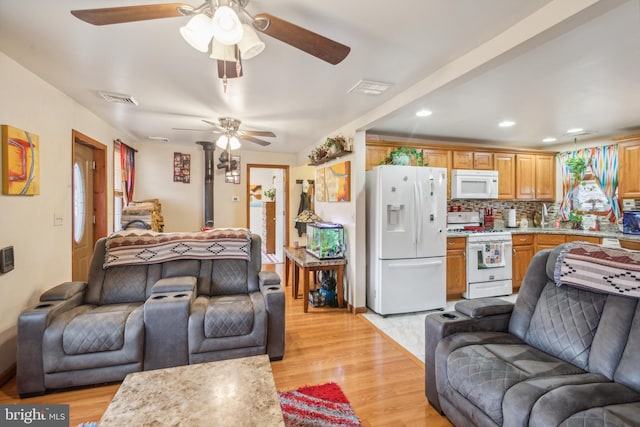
[{"x": 42, "y": 251}]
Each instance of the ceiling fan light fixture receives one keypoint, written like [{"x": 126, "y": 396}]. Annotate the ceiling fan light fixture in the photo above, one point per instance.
[
  {"x": 222, "y": 52},
  {"x": 222, "y": 142},
  {"x": 250, "y": 45},
  {"x": 198, "y": 32},
  {"x": 234, "y": 142},
  {"x": 227, "y": 28}
]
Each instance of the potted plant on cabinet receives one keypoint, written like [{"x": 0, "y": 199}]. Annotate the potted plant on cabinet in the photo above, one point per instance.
[
  {"x": 336, "y": 144},
  {"x": 270, "y": 194},
  {"x": 402, "y": 155}
]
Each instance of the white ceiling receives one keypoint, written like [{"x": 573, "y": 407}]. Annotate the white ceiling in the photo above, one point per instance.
[{"x": 472, "y": 62}]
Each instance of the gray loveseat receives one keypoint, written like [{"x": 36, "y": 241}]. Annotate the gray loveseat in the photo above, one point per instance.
[
  {"x": 563, "y": 355},
  {"x": 128, "y": 318}
]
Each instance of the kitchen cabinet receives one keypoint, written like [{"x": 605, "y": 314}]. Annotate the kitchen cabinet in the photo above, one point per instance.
[
  {"x": 472, "y": 160},
  {"x": 269, "y": 227},
  {"x": 629, "y": 172},
  {"x": 535, "y": 177},
  {"x": 590, "y": 239},
  {"x": 548, "y": 241},
  {"x": 630, "y": 244},
  {"x": 505, "y": 164},
  {"x": 522, "y": 254},
  {"x": 456, "y": 267},
  {"x": 376, "y": 155},
  {"x": 545, "y": 180}
]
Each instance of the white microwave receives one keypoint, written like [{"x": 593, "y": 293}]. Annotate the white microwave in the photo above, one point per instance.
[{"x": 474, "y": 184}]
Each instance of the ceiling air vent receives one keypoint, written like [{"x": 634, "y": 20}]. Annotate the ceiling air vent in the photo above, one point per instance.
[
  {"x": 370, "y": 87},
  {"x": 118, "y": 98}
]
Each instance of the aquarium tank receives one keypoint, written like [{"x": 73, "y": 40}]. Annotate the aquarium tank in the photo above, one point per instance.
[{"x": 325, "y": 240}]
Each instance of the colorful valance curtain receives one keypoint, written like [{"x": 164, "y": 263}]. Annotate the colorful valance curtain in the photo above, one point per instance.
[
  {"x": 128, "y": 168},
  {"x": 604, "y": 167}
]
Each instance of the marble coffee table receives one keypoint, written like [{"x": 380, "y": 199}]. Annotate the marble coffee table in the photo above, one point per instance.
[{"x": 236, "y": 392}]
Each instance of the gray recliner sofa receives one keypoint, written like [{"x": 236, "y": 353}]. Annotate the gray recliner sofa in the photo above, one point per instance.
[
  {"x": 130, "y": 318},
  {"x": 561, "y": 356}
]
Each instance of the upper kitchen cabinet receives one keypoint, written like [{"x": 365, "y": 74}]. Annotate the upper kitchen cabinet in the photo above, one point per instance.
[
  {"x": 436, "y": 158},
  {"x": 505, "y": 164},
  {"x": 472, "y": 160},
  {"x": 535, "y": 177},
  {"x": 376, "y": 154},
  {"x": 545, "y": 177},
  {"x": 629, "y": 173}
]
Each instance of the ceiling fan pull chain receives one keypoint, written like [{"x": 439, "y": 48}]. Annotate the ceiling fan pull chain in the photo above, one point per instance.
[{"x": 238, "y": 63}]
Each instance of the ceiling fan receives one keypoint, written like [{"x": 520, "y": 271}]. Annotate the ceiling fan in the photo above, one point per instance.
[
  {"x": 217, "y": 11},
  {"x": 231, "y": 136}
]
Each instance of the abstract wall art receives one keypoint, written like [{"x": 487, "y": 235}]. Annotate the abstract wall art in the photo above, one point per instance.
[{"x": 20, "y": 162}]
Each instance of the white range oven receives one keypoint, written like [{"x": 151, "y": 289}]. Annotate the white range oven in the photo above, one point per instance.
[
  {"x": 489, "y": 264},
  {"x": 489, "y": 256}
]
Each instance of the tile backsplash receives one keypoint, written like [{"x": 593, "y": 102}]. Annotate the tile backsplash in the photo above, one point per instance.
[{"x": 523, "y": 209}]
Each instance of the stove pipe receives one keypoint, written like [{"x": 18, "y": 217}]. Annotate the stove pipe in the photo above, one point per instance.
[{"x": 208, "y": 148}]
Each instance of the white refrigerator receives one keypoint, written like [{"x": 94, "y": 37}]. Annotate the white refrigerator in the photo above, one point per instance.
[{"x": 406, "y": 238}]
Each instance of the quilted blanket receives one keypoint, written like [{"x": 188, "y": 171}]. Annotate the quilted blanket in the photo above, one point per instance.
[
  {"x": 133, "y": 247},
  {"x": 599, "y": 269}
]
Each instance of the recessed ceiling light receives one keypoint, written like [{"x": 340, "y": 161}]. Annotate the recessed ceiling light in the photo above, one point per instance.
[
  {"x": 549, "y": 139},
  {"x": 506, "y": 123},
  {"x": 424, "y": 113},
  {"x": 575, "y": 130}
]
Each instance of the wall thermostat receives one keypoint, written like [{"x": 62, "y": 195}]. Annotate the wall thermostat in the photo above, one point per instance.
[{"x": 6, "y": 259}]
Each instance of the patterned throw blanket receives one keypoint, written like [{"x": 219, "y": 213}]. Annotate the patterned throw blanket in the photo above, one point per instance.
[
  {"x": 599, "y": 269},
  {"x": 148, "y": 247}
]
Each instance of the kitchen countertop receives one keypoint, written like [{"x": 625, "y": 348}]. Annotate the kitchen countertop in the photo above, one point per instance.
[{"x": 547, "y": 230}]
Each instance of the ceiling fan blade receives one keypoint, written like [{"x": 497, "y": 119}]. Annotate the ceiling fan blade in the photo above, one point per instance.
[
  {"x": 197, "y": 130},
  {"x": 118, "y": 15},
  {"x": 301, "y": 38},
  {"x": 214, "y": 124},
  {"x": 254, "y": 140},
  {"x": 256, "y": 133}
]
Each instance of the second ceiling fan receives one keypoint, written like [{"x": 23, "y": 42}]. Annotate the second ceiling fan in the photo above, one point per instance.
[
  {"x": 228, "y": 18},
  {"x": 231, "y": 134}
]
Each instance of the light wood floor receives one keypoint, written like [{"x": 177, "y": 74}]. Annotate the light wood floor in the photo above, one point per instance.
[{"x": 384, "y": 383}]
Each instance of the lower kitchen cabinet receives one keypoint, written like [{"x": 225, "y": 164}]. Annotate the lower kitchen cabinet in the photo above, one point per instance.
[
  {"x": 456, "y": 267},
  {"x": 590, "y": 239},
  {"x": 548, "y": 241},
  {"x": 522, "y": 254},
  {"x": 630, "y": 244}
]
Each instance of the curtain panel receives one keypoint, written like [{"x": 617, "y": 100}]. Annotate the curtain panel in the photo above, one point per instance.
[
  {"x": 603, "y": 162},
  {"x": 128, "y": 168}
]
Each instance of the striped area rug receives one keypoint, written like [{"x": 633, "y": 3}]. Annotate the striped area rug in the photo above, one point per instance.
[{"x": 322, "y": 405}]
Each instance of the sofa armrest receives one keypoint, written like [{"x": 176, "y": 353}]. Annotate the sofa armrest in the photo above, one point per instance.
[
  {"x": 32, "y": 323},
  {"x": 274, "y": 301},
  {"x": 484, "y": 307},
  {"x": 166, "y": 324},
  {"x": 63, "y": 291},
  {"x": 267, "y": 278},
  {"x": 175, "y": 284},
  {"x": 440, "y": 325}
]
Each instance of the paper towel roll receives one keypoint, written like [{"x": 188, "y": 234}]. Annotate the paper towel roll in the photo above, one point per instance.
[{"x": 511, "y": 218}]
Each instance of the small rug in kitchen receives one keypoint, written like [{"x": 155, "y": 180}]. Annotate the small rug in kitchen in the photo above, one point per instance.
[{"x": 322, "y": 405}]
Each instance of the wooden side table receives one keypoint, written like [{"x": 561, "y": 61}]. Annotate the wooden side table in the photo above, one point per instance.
[{"x": 303, "y": 263}]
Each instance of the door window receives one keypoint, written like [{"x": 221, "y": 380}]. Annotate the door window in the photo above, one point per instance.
[{"x": 79, "y": 205}]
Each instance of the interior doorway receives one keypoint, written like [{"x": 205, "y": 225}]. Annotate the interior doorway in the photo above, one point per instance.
[
  {"x": 89, "y": 200},
  {"x": 269, "y": 216}
]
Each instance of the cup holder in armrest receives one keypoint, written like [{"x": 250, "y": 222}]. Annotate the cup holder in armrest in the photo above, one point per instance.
[
  {"x": 449, "y": 316},
  {"x": 274, "y": 288},
  {"x": 158, "y": 297},
  {"x": 43, "y": 305},
  {"x": 180, "y": 296}
]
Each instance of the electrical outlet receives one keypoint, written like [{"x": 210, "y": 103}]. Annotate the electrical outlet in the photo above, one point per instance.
[{"x": 235, "y": 198}]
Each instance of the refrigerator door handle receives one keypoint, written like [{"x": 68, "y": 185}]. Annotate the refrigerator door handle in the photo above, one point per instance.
[{"x": 417, "y": 218}]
